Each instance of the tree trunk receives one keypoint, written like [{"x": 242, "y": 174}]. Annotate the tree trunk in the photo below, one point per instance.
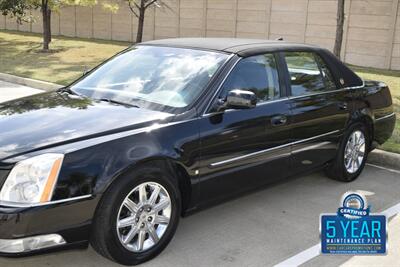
[
  {"x": 339, "y": 28},
  {"x": 46, "y": 14},
  {"x": 139, "y": 35}
]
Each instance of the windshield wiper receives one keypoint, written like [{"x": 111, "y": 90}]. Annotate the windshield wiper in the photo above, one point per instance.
[
  {"x": 68, "y": 91},
  {"x": 117, "y": 102}
]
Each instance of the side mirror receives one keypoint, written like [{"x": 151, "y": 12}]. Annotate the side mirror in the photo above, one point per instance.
[{"x": 240, "y": 99}]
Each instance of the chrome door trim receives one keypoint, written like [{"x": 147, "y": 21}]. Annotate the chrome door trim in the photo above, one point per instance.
[
  {"x": 356, "y": 87},
  {"x": 318, "y": 145},
  {"x": 320, "y": 93},
  {"x": 217, "y": 164},
  {"x": 220, "y": 163},
  {"x": 329, "y": 92}
]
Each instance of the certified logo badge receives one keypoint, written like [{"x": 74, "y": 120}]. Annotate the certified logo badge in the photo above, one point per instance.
[
  {"x": 354, "y": 206},
  {"x": 353, "y": 230}
]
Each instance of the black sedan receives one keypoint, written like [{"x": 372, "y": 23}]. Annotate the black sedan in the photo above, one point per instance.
[{"x": 168, "y": 127}]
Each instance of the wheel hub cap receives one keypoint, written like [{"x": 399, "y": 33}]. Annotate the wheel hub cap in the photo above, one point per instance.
[
  {"x": 144, "y": 217},
  {"x": 354, "y": 151}
]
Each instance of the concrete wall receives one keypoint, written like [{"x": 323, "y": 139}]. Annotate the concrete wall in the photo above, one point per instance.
[{"x": 371, "y": 38}]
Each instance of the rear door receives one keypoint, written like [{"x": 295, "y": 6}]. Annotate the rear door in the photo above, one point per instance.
[
  {"x": 242, "y": 149},
  {"x": 319, "y": 110}
]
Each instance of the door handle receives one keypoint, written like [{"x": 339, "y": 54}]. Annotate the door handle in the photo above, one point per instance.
[
  {"x": 278, "y": 120},
  {"x": 342, "y": 106}
]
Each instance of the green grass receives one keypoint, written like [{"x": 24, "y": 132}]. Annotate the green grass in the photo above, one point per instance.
[
  {"x": 392, "y": 79},
  {"x": 20, "y": 54}
]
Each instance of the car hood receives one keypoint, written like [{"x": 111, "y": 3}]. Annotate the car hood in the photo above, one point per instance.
[{"x": 49, "y": 119}]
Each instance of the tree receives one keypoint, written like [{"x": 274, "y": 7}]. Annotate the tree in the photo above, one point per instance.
[
  {"x": 15, "y": 8},
  {"x": 339, "y": 28},
  {"x": 46, "y": 18},
  {"x": 20, "y": 9},
  {"x": 138, "y": 8}
]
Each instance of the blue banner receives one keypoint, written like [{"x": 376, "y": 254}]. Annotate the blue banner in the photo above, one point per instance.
[{"x": 364, "y": 235}]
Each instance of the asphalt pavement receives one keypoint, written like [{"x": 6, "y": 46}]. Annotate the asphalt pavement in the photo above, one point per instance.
[{"x": 264, "y": 228}]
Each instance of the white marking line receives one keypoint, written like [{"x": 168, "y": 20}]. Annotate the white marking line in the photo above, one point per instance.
[
  {"x": 302, "y": 257},
  {"x": 392, "y": 211},
  {"x": 314, "y": 251},
  {"x": 383, "y": 168}
]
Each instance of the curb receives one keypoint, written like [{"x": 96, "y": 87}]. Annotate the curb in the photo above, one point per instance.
[
  {"x": 46, "y": 86},
  {"x": 384, "y": 158}
]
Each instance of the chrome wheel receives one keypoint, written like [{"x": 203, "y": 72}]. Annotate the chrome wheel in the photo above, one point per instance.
[
  {"x": 144, "y": 217},
  {"x": 354, "y": 152}
]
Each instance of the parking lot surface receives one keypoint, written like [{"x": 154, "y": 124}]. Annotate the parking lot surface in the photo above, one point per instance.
[{"x": 263, "y": 228}]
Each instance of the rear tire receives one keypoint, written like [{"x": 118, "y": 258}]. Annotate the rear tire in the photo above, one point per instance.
[
  {"x": 352, "y": 154},
  {"x": 128, "y": 201}
]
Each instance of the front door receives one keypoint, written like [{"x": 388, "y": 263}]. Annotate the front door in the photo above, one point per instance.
[{"x": 243, "y": 149}]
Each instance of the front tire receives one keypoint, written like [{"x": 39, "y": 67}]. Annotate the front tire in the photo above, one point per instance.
[
  {"x": 352, "y": 154},
  {"x": 137, "y": 217}
]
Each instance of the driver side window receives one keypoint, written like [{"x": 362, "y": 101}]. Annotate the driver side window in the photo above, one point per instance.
[{"x": 258, "y": 74}]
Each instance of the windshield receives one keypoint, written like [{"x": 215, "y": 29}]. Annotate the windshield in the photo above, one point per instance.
[{"x": 151, "y": 76}]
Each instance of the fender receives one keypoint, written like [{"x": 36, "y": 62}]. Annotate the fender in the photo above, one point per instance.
[
  {"x": 364, "y": 115},
  {"x": 93, "y": 169},
  {"x": 91, "y": 165},
  {"x": 372, "y": 103}
]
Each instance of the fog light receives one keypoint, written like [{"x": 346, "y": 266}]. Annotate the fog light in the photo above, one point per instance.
[{"x": 30, "y": 243}]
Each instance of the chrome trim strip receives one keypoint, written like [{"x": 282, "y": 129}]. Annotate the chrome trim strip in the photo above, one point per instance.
[
  {"x": 311, "y": 147},
  {"x": 23, "y": 205},
  {"x": 273, "y": 101},
  {"x": 356, "y": 87},
  {"x": 314, "y": 137},
  {"x": 385, "y": 117},
  {"x": 331, "y": 91},
  {"x": 320, "y": 93},
  {"x": 216, "y": 164},
  {"x": 31, "y": 243}
]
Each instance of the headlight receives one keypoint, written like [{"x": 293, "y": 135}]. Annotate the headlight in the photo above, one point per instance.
[{"x": 32, "y": 181}]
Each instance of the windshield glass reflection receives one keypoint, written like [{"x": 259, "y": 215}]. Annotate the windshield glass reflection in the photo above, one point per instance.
[{"x": 146, "y": 75}]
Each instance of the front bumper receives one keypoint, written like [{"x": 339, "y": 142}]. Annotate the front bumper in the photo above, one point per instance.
[
  {"x": 29, "y": 244},
  {"x": 53, "y": 226}
]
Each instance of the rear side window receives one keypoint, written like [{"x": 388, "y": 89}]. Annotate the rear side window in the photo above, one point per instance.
[
  {"x": 326, "y": 73},
  {"x": 305, "y": 75},
  {"x": 258, "y": 74}
]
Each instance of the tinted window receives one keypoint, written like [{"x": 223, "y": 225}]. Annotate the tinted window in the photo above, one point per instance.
[
  {"x": 257, "y": 74},
  {"x": 326, "y": 73},
  {"x": 305, "y": 75}
]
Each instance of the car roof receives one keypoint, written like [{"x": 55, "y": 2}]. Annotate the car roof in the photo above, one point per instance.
[
  {"x": 250, "y": 47},
  {"x": 242, "y": 47}
]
